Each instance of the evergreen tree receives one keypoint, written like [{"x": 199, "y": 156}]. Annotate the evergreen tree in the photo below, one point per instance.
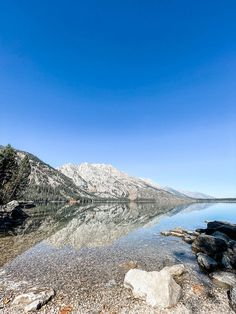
[
  {"x": 8, "y": 168},
  {"x": 21, "y": 178},
  {"x": 14, "y": 174}
]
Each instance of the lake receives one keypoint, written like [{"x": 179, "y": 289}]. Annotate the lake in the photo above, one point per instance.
[{"x": 81, "y": 250}]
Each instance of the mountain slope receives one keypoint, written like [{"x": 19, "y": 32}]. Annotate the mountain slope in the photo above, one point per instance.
[
  {"x": 105, "y": 181},
  {"x": 47, "y": 183}
]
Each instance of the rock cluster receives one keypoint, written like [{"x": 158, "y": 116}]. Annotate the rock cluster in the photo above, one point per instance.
[
  {"x": 217, "y": 241},
  {"x": 158, "y": 288},
  {"x": 215, "y": 249},
  {"x": 215, "y": 246}
]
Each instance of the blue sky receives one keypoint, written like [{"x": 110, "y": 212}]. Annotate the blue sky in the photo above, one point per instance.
[{"x": 148, "y": 86}]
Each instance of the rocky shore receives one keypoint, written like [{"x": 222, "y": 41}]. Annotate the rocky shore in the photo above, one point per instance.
[
  {"x": 142, "y": 279},
  {"x": 215, "y": 250}
]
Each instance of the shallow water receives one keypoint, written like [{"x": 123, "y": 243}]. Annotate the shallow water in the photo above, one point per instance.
[{"x": 79, "y": 250}]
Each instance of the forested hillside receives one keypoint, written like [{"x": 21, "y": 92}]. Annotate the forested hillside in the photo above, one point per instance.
[{"x": 44, "y": 182}]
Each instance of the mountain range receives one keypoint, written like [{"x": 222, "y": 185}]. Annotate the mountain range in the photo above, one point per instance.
[
  {"x": 105, "y": 181},
  {"x": 95, "y": 182}
]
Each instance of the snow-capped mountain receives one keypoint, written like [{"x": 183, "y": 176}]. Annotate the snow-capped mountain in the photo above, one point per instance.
[{"x": 105, "y": 181}]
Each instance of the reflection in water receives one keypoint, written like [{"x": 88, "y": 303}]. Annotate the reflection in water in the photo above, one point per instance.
[
  {"x": 103, "y": 224},
  {"x": 78, "y": 226},
  {"x": 97, "y": 225}
]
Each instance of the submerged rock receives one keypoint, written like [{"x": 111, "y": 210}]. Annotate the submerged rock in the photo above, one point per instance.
[
  {"x": 34, "y": 299},
  {"x": 157, "y": 288},
  {"x": 129, "y": 265},
  {"x": 175, "y": 270},
  {"x": 206, "y": 262},
  {"x": 224, "y": 279},
  {"x": 111, "y": 283},
  {"x": 187, "y": 235}
]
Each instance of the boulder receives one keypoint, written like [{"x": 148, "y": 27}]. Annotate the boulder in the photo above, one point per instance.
[
  {"x": 231, "y": 253},
  {"x": 34, "y": 299},
  {"x": 214, "y": 247},
  {"x": 223, "y": 227},
  {"x": 189, "y": 239},
  {"x": 157, "y": 288},
  {"x": 226, "y": 261},
  {"x": 220, "y": 235},
  {"x": 9, "y": 207},
  {"x": 13, "y": 211},
  {"x": 224, "y": 279},
  {"x": 206, "y": 262},
  {"x": 232, "y": 245},
  {"x": 232, "y": 298}
]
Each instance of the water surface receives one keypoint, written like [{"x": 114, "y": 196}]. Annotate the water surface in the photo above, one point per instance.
[
  {"x": 79, "y": 250},
  {"x": 101, "y": 225}
]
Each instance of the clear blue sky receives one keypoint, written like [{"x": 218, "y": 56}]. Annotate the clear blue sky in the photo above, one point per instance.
[{"x": 148, "y": 86}]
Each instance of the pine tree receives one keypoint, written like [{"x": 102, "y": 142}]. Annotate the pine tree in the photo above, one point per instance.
[
  {"x": 8, "y": 169},
  {"x": 21, "y": 178},
  {"x": 13, "y": 174}
]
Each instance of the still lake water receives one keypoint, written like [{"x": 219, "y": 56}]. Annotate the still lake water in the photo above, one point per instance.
[
  {"x": 101, "y": 225},
  {"x": 79, "y": 250}
]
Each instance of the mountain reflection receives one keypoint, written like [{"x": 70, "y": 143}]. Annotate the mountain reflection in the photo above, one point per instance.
[
  {"x": 103, "y": 224},
  {"x": 76, "y": 226}
]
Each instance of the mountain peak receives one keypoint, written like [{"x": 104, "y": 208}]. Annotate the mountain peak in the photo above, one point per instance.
[{"x": 106, "y": 181}]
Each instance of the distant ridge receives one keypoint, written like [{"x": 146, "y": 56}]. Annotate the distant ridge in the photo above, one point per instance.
[{"x": 180, "y": 193}]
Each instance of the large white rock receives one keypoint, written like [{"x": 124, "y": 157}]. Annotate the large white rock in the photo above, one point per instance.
[{"x": 157, "y": 288}]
